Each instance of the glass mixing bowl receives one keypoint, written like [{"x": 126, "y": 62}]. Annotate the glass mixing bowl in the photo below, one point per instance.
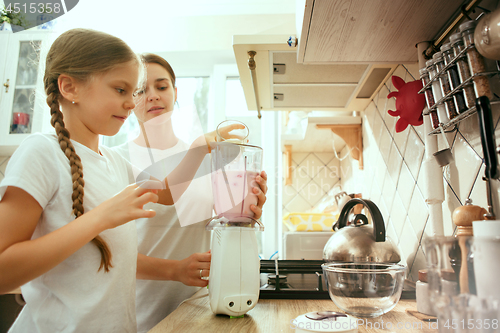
[{"x": 364, "y": 289}]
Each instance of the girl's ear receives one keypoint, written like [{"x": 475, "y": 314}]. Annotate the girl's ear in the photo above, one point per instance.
[{"x": 68, "y": 87}]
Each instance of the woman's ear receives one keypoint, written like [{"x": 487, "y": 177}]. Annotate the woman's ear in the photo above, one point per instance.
[
  {"x": 68, "y": 87},
  {"x": 175, "y": 95}
]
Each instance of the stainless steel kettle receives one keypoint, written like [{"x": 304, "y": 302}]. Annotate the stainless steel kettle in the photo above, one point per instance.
[{"x": 360, "y": 241}]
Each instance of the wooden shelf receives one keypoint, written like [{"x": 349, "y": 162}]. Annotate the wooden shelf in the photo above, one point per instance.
[{"x": 353, "y": 137}]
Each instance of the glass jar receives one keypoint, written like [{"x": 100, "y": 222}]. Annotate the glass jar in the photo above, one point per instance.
[
  {"x": 436, "y": 92},
  {"x": 458, "y": 46},
  {"x": 453, "y": 78},
  {"x": 476, "y": 61},
  {"x": 445, "y": 85},
  {"x": 429, "y": 97}
]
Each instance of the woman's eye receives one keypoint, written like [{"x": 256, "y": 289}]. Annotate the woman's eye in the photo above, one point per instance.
[
  {"x": 139, "y": 92},
  {"x": 162, "y": 88}
]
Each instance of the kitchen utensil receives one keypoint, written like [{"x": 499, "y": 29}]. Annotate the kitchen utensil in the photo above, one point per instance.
[
  {"x": 436, "y": 92},
  {"x": 444, "y": 156},
  {"x": 491, "y": 173},
  {"x": 487, "y": 35},
  {"x": 360, "y": 241},
  {"x": 342, "y": 198},
  {"x": 442, "y": 254},
  {"x": 364, "y": 289},
  {"x": 463, "y": 217},
  {"x": 325, "y": 322},
  {"x": 234, "y": 169},
  {"x": 475, "y": 60},
  {"x": 486, "y": 248},
  {"x": 486, "y": 228},
  {"x": 234, "y": 269},
  {"x": 468, "y": 313},
  {"x": 422, "y": 294},
  {"x": 486, "y": 266}
]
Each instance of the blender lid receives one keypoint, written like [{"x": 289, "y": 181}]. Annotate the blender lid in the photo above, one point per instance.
[{"x": 222, "y": 222}]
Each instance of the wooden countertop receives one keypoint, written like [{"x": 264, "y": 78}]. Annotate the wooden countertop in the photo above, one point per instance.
[{"x": 276, "y": 315}]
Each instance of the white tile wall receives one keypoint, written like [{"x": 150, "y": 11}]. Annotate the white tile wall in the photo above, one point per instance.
[
  {"x": 392, "y": 177},
  {"x": 313, "y": 176}
]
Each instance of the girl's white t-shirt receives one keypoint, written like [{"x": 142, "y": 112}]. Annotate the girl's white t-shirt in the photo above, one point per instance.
[
  {"x": 74, "y": 296},
  {"x": 163, "y": 236}
]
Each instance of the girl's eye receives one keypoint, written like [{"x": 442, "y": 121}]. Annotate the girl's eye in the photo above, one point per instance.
[
  {"x": 120, "y": 90},
  {"x": 162, "y": 88}
]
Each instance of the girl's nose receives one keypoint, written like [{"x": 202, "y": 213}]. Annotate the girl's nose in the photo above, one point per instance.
[{"x": 130, "y": 105}]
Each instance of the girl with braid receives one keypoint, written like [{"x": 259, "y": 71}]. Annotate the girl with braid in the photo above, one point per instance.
[{"x": 65, "y": 201}]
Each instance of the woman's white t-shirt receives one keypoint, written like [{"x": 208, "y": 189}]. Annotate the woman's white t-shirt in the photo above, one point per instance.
[
  {"x": 163, "y": 237},
  {"x": 74, "y": 296}
]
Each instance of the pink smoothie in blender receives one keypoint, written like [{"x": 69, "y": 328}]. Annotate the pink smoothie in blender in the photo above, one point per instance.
[{"x": 234, "y": 193}]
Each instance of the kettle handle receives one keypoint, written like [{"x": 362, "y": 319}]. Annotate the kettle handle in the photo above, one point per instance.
[{"x": 378, "y": 220}]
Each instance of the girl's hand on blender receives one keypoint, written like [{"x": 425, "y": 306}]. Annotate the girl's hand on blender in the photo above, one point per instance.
[
  {"x": 261, "y": 194},
  {"x": 125, "y": 206},
  {"x": 194, "y": 270}
]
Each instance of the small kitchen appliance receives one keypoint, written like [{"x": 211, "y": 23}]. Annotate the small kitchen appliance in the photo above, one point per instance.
[
  {"x": 360, "y": 241},
  {"x": 361, "y": 268},
  {"x": 234, "y": 280}
]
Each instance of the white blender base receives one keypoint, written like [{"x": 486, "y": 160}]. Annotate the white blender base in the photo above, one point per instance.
[{"x": 234, "y": 281}]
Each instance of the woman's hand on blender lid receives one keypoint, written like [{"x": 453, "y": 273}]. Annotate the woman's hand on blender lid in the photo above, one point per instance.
[
  {"x": 224, "y": 131},
  {"x": 211, "y": 137}
]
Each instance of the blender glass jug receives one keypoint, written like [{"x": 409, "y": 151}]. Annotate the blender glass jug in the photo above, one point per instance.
[{"x": 234, "y": 168}]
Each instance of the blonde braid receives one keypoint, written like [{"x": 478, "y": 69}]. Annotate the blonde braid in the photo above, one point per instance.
[{"x": 76, "y": 168}]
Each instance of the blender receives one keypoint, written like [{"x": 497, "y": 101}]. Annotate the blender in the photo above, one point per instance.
[{"x": 235, "y": 266}]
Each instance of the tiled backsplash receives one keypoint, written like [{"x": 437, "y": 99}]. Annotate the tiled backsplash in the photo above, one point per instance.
[
  {"x": 393, "y": 176},
  {"x": 313, "y": 176}
]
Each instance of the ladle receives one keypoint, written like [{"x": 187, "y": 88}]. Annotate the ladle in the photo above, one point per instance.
[{"x": 444, "y": 156}]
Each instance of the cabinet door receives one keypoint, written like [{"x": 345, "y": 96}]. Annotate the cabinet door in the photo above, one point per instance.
[
  {"x": 4, "y": 41},
  {"x": 22, "y": 102}
]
